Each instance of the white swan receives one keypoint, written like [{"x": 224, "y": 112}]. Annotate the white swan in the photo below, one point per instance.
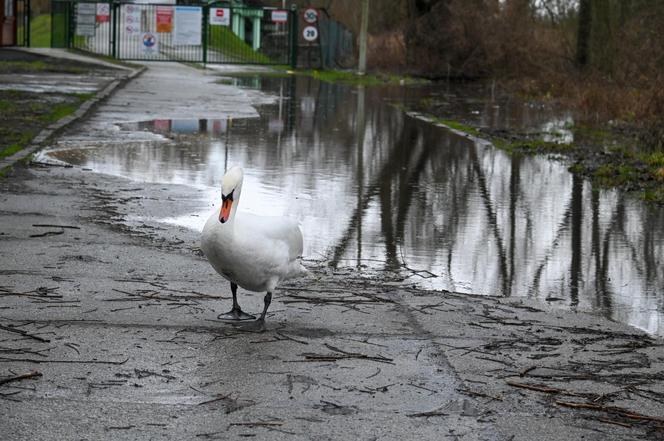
[{"x": 254, "y": 252}]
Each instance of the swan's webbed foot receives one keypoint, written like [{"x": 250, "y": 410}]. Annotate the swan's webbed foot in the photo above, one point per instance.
[{"x": 236, "y": 315}]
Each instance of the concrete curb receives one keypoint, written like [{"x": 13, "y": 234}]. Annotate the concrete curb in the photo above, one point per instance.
[{"x": 85, "y": 108}]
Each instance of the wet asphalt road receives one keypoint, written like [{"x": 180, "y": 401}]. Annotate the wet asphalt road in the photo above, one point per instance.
[{"x": 117, "y": 313}]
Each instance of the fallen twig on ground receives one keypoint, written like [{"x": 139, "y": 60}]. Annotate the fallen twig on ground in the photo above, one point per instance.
[
  {"x": 48, "y": 233},
  {"x": 24, "y": 333},
  {"x": 31, "y": 360},
  {"x": 56, "y": 226},
  {"x": 541, "y": 388},
  {"x": 31, "y": 374},
  {"x": 259, "y": 424},
  {"x": 610, "y": 409},
  {"x": 435, "y": 412}
]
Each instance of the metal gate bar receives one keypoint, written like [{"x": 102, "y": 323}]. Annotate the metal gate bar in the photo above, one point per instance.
[{"x": 22, "y": 22}]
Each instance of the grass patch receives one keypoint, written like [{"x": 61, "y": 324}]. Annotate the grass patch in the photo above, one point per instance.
[
  {"x": 456, "y": 125},
  {"x": 18, "y": 142},
  {"x": 655, "y": 160},
  {"x": 59, "y": 111},
  {"x": 348, "y": 77},
  {"x": 610, "y": 175},
  {"x": 24, "y": 114},
  {"x": 533, "y": 146},
  {"x": 609, "y": 160},
  {"x": 40, "y": 31},
  {"x": 223, "y": 40},
  {"x": 4, "y": 172},
  {"x": 8, "y": 151},
  {"x": 38, "y": 66},
  {"x": 653, "y": 195}
]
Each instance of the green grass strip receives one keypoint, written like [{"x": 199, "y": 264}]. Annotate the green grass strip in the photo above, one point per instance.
[{"x": 224, "y": 41}]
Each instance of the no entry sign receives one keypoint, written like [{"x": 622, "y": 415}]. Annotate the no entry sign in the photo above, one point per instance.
[{"x": 220, "y": 16}]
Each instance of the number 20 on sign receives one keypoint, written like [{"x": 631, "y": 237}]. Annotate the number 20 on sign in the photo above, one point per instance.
[{"x": 310, "y": 33}]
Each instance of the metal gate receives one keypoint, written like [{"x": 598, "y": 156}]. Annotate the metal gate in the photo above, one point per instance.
[
  {"x": 15, "y": 23},
  {"x": 199, "y": 33}
]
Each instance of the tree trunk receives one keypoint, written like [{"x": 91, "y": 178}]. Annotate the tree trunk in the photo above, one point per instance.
[{"x": 583, "y": 34}]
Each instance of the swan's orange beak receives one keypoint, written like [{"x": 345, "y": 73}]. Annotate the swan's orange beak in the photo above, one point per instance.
[{"x": 225, "y": 211}]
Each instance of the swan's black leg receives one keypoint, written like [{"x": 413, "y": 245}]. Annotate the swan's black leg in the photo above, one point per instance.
[
  {"x": 236, "y": 313},
  {"x": 267, "y": 300}
]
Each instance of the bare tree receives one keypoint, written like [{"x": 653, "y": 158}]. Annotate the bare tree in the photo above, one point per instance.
[{"x": 583, "y": 34}]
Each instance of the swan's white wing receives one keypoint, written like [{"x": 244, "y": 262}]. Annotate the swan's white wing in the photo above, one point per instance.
[
  {"x": 278, "y": 229},
  {"x": 256, "y": 252}
]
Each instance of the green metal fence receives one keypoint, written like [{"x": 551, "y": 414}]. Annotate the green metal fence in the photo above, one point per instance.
[
  {"x": 22, "y": 16},
  {"x": 202, "y": 33},
  {"x": 60, "y": 24}
]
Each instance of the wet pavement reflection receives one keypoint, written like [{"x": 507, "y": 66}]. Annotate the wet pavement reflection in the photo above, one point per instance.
[{"x": 374, "y": 187}]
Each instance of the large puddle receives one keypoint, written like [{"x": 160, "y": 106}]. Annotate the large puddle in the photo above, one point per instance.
[{"x": 374, "y": 187}]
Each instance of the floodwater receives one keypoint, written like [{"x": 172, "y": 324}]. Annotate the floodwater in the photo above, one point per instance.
[{"x": 377, "y": 188}]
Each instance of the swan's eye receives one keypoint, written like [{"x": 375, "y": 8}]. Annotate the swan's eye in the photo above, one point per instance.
[{"x": 229, "y": 197}]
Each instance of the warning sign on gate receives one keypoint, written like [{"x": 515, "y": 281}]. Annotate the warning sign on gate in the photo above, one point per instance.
[
  {"x": 220, "y": 16},
  {"x": 103, "y": 12},
  {"x": 187, "y": 25},
  {"x": 132, "y": 19},
  {"x": 150, "y": 43},
  {"x": 164, "y": 19},
  {"x": 85, "y": 19}
]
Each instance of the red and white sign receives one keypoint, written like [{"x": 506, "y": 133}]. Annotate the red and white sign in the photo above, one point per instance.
[
  {"x": 103, "y": 13},
  {"x": 132, "y": 18},
  {"x": 165, "y": 19},
  {"x": 279, "y": 16},
  {"x": 220, "y": 16},
  {"x": 310, "y": 15}
]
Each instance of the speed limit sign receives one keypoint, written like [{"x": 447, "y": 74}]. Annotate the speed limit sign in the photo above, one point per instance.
[
  {"x": 310, "y": 15},
  {"x": 310, "y": 33}
]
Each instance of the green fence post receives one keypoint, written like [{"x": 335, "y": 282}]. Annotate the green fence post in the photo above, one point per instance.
[
  {"x": 26, "y": 27},
  {"x": 206, "y": 14},
  {"x": 52, "y": 23},
  {"x": 69, "y": 35},
  {"x": 293, "y": 36},
  {"x": 114, "y": 29}
]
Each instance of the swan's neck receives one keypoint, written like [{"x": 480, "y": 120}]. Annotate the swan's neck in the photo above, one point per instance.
[{"x": 236, "y": 202}]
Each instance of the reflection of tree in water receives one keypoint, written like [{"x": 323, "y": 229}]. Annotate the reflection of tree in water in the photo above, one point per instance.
[
  {"x": 574, "y": 263},
  {"x": 420, "y": 196}
]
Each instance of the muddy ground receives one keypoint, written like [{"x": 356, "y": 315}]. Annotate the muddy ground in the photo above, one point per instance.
[
  {"x": 108, "y": 330},
  {"x": 33, "y": 94}
]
